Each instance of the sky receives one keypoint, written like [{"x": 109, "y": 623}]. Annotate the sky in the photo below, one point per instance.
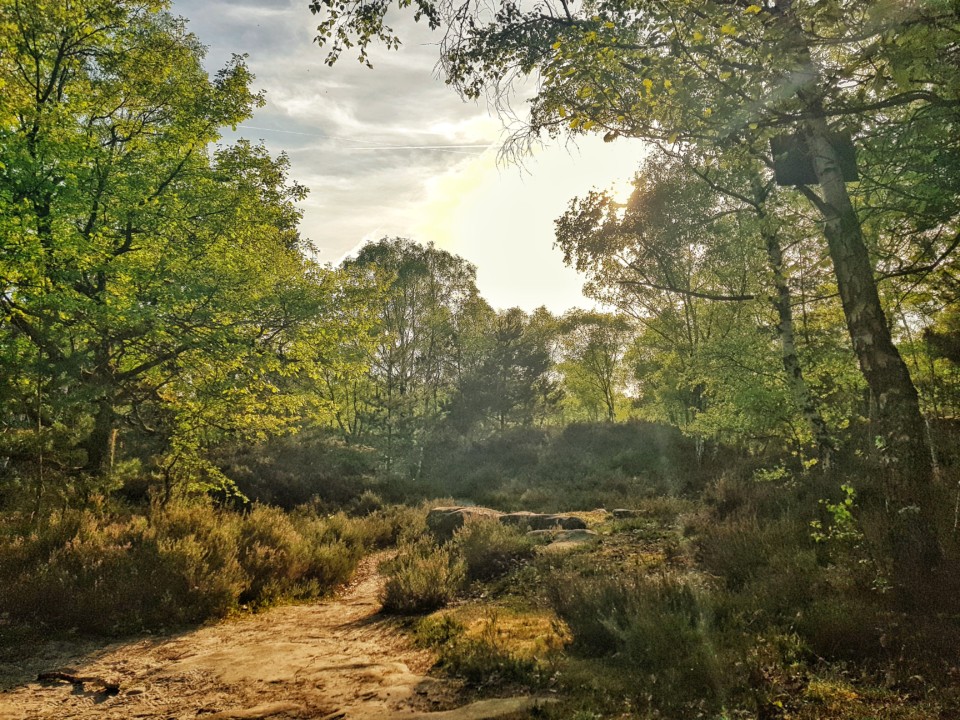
[{"x": 394, "y": 151}]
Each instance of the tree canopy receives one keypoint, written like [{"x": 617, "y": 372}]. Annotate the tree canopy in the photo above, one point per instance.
[{"x": 154, "y": 292}]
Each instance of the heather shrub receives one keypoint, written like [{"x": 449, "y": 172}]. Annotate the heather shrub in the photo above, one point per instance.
[
  {"x": 422, "y": 577},
  {"x": 272, "y": 553},
  {"x": 742, "y": 548},
  {"x": 396, "y": 523},
  {"x": 183, "y": 563},
  {"x": 122, "y": 575},
  {"x": 484, "y": 657},
  {"x": 490, "y": 548},
  {"x": 660, "y": 626}
]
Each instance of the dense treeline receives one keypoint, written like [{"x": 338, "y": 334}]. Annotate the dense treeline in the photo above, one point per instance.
[{"x": 158, "y": 302}]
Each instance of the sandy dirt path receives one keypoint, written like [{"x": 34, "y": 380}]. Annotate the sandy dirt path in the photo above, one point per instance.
[{"x": 333, "y": 660}]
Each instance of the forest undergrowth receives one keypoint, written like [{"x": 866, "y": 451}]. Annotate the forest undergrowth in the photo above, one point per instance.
[
  {"x": 762, "y": 594},
  {"x": 759, "y": 599}
]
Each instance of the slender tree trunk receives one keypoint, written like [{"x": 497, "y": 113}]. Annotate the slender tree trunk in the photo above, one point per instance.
[{"x": 788, "y": 353}]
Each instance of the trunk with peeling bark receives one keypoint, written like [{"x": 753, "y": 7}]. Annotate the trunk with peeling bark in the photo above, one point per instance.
[{"x": 908, "y": 477}]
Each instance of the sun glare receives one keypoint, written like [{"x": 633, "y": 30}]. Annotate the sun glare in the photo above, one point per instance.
[{"x": 501, "y": 218}]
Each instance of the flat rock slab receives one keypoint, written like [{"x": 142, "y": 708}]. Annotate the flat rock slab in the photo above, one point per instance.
[
  {"x": 563, "y": 540},
  {"x": 443, "y": 522}
]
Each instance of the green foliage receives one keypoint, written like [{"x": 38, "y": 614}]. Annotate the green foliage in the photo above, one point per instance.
[
  {"x": 422, "y": 577},
  {"x": 155, "y": 300},
  {"x": 842, "y": 527},
  {"x": 491, "y": 549},
  {"x": 660, "y": 626},
  {"x": 579, "y": 466},
  {"x": 511, "y": 383},
  {"x": 593, "y": 346},
  {"x": 712, "y": 84},
  {"x": 427, "y": 313},
  {"x": 184, "y": 563},
  {"x": 299, "y": 468}
]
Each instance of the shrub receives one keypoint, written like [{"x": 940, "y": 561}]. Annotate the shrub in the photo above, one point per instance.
[
  {"x": 841, "y": 627},
  {"x": 108, "y": 577},
  {"x": 659, "y": 626},
  {"x": 396, "y": 523},
  {"x": 486, "y": 659},
  {"x": 422, "y": 577},
  {"x": 742, "y": 548},
  {"x": 183, "y": 563},
  {"x": 272, "y": 554},
  {"x": 480, "y": 657},
  {"x": 293, "y": 469},
  {"x": 490, "y": 548},
  {"x": 196, "y": 547}
]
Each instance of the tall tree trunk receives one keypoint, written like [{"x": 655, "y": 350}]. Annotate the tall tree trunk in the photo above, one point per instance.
[{"x": 908, "y": 477}]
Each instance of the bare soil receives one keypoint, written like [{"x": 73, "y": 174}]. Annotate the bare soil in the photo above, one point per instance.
[{"x": 332, "y": 660}]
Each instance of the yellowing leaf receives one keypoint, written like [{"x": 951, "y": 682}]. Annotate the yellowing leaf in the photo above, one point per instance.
[
  {"x": 753, "y": 126},
  {"x": 667, "y": 84},
  {"x": 753, "y": 9},
  {"x": 575, "y": 123},
  {"x": 728, "y": 29},
  {"x": 648, "y": 85},
  {"x": 587, "y": 125},
  {"x": 563, "y": 111},
  {"x": 608, "y": 25},
  {"x": 556, "y": 45},
  {"x": 707, "y": 112},
  {"x": 672, "y": 139},
  {"x": 697, "y": 36}
]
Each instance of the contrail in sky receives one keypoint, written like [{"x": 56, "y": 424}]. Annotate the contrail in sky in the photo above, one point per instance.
[{"x": 371, "y": 144}]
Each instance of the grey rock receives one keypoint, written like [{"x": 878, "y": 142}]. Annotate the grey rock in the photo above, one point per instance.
[{"x": 541, "y": 521}]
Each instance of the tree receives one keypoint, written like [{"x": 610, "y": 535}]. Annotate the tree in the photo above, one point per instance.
[
  {"x": 511, "y": 385},
  {"x": 717, "y": 74},
  {"x": 594, "y": 345},
  {"x": 429, "y": 297},
  {"x": 153, "y": 296}
]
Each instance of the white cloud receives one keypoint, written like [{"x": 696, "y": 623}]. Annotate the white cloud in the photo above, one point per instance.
[{"x": 344, "y": 127}]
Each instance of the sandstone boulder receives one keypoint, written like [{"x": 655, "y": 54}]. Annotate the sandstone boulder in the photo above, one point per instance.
[{"x": 542, "y": 521}]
